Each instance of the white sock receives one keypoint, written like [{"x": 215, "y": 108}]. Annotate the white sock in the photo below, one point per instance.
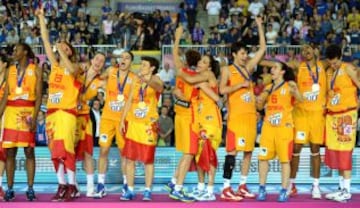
[
  {"x": 243, "y": 179},
  {"x": 226, "y": 183},
  {"x": 147, "y": 189},
  {"x": 210, "y": 189},
  {"x": 124, "y": 179},
  {"x": 173, "y": 180},
  {"x": 131, "y": 188},
  {"x": 347, "y": 184},
  {"x": 61, "y": 174},
  {"x": 1, "y": 181},
  {"x": 316, "y": 182},
  {"x": 292, "y": 181},
  {"x": 341, "y": 182},
  {"x": 71, "y": 176},
  {"x": 101, "y": 178},
  {"x": 201, "y": 186},
  {"x": 90, "y": 179},
  {"x": 178, "y": 187}
]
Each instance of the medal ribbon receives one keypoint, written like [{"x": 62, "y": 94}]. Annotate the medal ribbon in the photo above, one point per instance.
[
  {"x": 314, "y": 78},
  {"x": 86, "y": 87},
  {"x": 248, "y": 77},
  {"x": 274, "y": 89},
  {"x": 119, "y": 85},
  {"x": 20, "y": 79},
  {"x": 332, "y": 82},
  {"x": 142, "y": 92}
]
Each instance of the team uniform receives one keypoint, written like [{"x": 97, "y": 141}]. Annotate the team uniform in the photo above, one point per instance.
[
  {"x": 309, "y": 115},
  {"x": 142, "y": 131},
  {"x": 84, "y": 126},
  {"x": 341, "y": 120},
  {"x": 186, "y": 133},
  {"x": 277, "y": 130},
  {"x": 20, "y": 108},
  {"x": 241, "y": 124},
  {"x": 114, "y": 104},
  {"x": 210, "y": 126},
  {"x": 61, "y": 116},
  {"x": 2, "y": 152}
]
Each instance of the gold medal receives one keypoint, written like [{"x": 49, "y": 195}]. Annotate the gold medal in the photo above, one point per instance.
[
  {"x": 315, "y": 87},
  {"x": 331, "y": 93},
  {"x": 120, "y": 97},
  {"x": 18, "y": 90},
  {"x": 142, "y": 105}
]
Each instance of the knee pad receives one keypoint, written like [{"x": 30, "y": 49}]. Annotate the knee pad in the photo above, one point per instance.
[{"x": 229, "y": 166}]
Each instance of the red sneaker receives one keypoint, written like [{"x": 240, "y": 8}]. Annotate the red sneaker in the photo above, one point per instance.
[
  {"x": 2, "y": 193},
  {"x": 244, "y": 192},
  {"x": 59, "y": 196},
  {"x": 228, "y": 194},
  {"x": 292, "y": 191},
  {"x": 70, "y": 193}
]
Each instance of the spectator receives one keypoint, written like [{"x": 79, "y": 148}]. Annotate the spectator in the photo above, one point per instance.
[
  {"x": 12, "y": 38},
  {"x": 40, "y": 134},
  {"x": 213, "y": 8},
  {"x": 182, "y": 16},
  {"x": 271, "y": 35},
  {"x": 197, "y": 34},
  {"x": 191, "y": 10},
  {"x": 167, "y": 75},
  {"x": 166, "y": 127},
  {"x": 95, "y": 114}
]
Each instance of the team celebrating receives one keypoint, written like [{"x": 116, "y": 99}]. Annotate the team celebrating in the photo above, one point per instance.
[{"x": 312, "y": 102}]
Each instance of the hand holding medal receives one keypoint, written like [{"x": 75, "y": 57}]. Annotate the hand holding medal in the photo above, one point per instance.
[{"x": 121, "y": 86}]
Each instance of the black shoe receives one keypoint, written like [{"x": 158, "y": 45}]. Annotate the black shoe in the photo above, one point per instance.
[
  {"x": 9, "y": 195},
  {"x": 30, "y": 194}
]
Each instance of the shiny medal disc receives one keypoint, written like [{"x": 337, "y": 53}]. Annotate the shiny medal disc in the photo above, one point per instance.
[
  {"x": 120, "y": 97},
  {"x": 18, "y": 90},
  {"x": 315, "y": 87},
  {"x": 142, "y": 105}
]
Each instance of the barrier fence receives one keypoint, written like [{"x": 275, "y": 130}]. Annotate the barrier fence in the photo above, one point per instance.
[{"x": 165, "y": 164}]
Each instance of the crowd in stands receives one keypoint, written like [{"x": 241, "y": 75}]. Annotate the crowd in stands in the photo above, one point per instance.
[{"x": 287, "y": 22}]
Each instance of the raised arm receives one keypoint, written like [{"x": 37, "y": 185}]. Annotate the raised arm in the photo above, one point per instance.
[
  {"x": 260, "y": 53},
  {"x": 177, "y": 61},
  {"x": 45, "y": 36},
  {"x": 205, "y": 87},
  {"x": 154, "y": 82}
]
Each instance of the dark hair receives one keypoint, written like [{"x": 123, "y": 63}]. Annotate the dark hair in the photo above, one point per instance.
[
  {"x": 30, "y": 54},
  {"x": 333, "y": 51},
  {"x": 131, "y": 54},
  {"x": 192, "y": 58},
  {"x": 289, "y": 74},
  {"x": 72, "y": 57},
  {"x": 153, "y": 62},
  {"x": 215, "y": 66},
  {"x": 4, "y": 59},
  {"x": 237, "y": 46}
]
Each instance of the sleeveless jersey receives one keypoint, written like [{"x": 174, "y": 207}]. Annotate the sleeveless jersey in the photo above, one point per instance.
[{"x": 27, "y": 85}]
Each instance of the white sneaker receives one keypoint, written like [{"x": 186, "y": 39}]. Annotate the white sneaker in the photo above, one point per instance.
[
  {"x": 90, "y": 191},
  {"x": 196, "y": 193},
  {"x": 206, "y": 197},
  {"x": 343, "y": 196},
  {"x": 315, "y": 192},
  {"x": 332, "y": 195}
]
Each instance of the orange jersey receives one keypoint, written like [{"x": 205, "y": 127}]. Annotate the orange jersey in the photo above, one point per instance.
[
  {"x": 27, "y": 85},
  {"x": 88, "y": 92},
  {"x": 313, "y": 100},
  {"x": 343, "y": 93},
  {"x": 190, "y": 94},
  {"x": 113, "y": 107},
  {"x": 279, "y": 105},
  {"x": 243, "y": 100},
  {"x": 207, "y": 108},
  {"x": 63, "y": 89},
  {"x": 2, "y": 88},
  {"x": 151, "y": 98}
]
